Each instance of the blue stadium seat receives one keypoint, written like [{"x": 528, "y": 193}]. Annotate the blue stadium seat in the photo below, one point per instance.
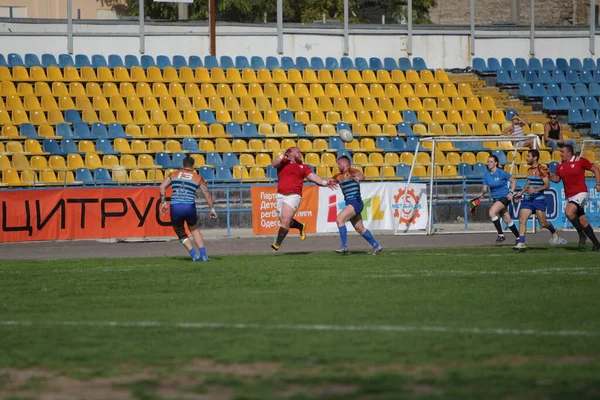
[
  {"x": 342, "y": 125},
  {"x": 346, "y": 64},
  {"x": 549, "y": 104},
  {"x": 179, "y": 61},
  {"x": 503, "y": 78},
  {"x": 302, "y": 63},
  {"x": 287, "y": 63},
  {"x": 412, "y": 142},
  {"x": 375, "y": 64},
  {"x": 32, "y": 60},
  {"x": 548, "y": 63},
  {"x": 257, "y": 62},
  {"x": 553, "y": 90},
  {"x": 594, "y": 89},
  {"x": 272, "y": 63},
  {"x": 241, "y": 62},
  {"x": 465, "y": 169},
  {"x": 405, "y": 129},
  {"x": 234, "y": 129},
  {"x": 207, "y": 116},
  {"x": 69, "y": 146},
  {"x": 402, "y": 171},
  {"x": 3, "y": 62},
  {"x": 563, "y": 103},
  {"x": 29, "y": 131},
  {"x": 575, "y": 117},
  {"x": 493, "y": 64},
  {"x": 52, "y": 147},
  {"x": 591, "y": 102},
  {"x": 572, "y": 76},
  {"x": 586, "y": 77},
  {"x": 207, "y": 173},
  {"x": 344, "y": 153},
  {"x": 211, "y": 62},
  {"x": 390, "y": 63},
  {"x": 562, "y": 64},
  {"x": 383, "y": 143},
  {"x": 65, "y": 60},
  {"x": 361, "y": 63},
  {"x": 223, "y": 173},
  {"x": 249, "y": 130},
  {"x": 398, "y": 144},
  {"x": 478, "y": 65},
  {"x": 102, "y": 177},
  {"x": 539, "y": 90},
  {"x": 64, "y": 130},
  {"x": 147, "y": 61},
  {"x": 589, "y": 116},
  {"x": 575, "y": 64},
  {"x": 271, "y": 172},
  {"x": 552, "y": 165},
  {"x": 531, "y": 76},
  {"x": 404, "y": 64},
  {"x": 81, "y": 60},
  {"x": 521, "y": 64},
  {"x": 48, "y": 60},
  {"x": 517, "y": 77},
  {"x": 161, "y": 158},
  {"x": 410, "y": 117},
  {"x": 230, "y": 160},
  {"x": 331, "y": 63},
  {"x": 297, "y": 128},
  {"x": 98, "y": 61},
  {"x": 99, "y": 131},
  {"x": 581, "y": 89},
  {"x": 72, "y": 116},
  {"x": 597, "y": 76},
  {"x": 501, "y": 157},
  {"x": 214, "y": 159},
  {"x": 227, "y": 62},
  {"x": 163, "y": 61},
  {"x": 336, "y": 143},
  {"x": 195, "y": 62},
  {"x": 545, "y": 76},
  {"x": 525, "y": 91},
  {"x": 286, "y": 116},
  {"x": 507, "y": 64},
  {"x": 535, "y": 64},
  {"x": 131, "y": 61},
  {"x": 566, "y": 89},
  {"x": 509, "y": 114},
  {"x": 116, "y": 131},
  {"x": 84, "y": 175},
  {"x": 15, "y": 60},
  {"x": 558, "y": 76},
  {"x": 178, "y": 159},
  {"x": 595, "y": 131},
  {"x": 316, "y": 63},
  {"x": 104, "y": 146},
  {"x": 82, "y": 131},
  {"x": 589, "y": 64},
  {"x": 419, "y": 64},
  {"x": 115, "y": 60},
  {"x": 190, "y": 145},
  {"x": 479, "y": 169}
]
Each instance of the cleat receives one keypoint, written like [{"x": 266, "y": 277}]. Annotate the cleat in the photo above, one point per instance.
[
  {"x": 500, "y": 239},
  {"x": 520, "y": 246},
  {"x": 342, "y": 250},
  {"x": 378, "y": 250},
  {"x": 196, "y": 259},
  {"x": 303, "y": 232},
  {"x": 554, "y": 239},
  {"x": 275, "y": 246},
  {"x": 205, "y": 259},
  {"x": 582, "y": 240}
]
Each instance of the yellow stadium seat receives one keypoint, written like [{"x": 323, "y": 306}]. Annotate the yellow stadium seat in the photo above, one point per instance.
[
  {"x": 54, "y": 74},
  {"x": 92, "y": 161},
  {"x": 305, "y": 145},
  {"x": 198, "y": 160},
  {"x": 39, "y": 163},
  {"x": 19, "y": 117},
  {"x": 370, "y": 103},
  {"x": 316, "y": 90},
  {"x": 459, "y": 103},
  {"x": 146, "y": 161},
  {"x": 170, "y": 74},
  {"x": 38, "y": 117},
  {"x": 202, "y": 75},
  {"x": 49, "y": 103},
  {"x": 200, "y": 130},
  {"x": 469, "y": 116},
  {"x": 429, "y": 104},
  {"x": 473, "y": 103},
  {"x": 454, "y": 116},
  {"x": 439, "y": 116},
  {"x": 424, "y": 116},
  {"x": 367, "y": 76},
  {"x": 155, "y": 146},
  {"x": 183, "y": 130},
  {"x": 128, "y": 161},
  {"x": 137, "y": 175},
  {"x": 57, "y": 162},
  {"x": 464, "y": 89},
  {"x": 186, "y": 74},
  {"x": 119, "y": 175},
  {"x": 154, "y": 74},
  {"x": 281, "y": 129},
  {"x": 239, "y": 90},
  {"x": 222, "y": 145},
  {"x": 484, "y": 116},
  {"x": 468, "y": 157},
  {"x": 109, "y": 161},
  {"x": 328, "y": 159},
  {"x": 48, "y": 177},
  {"x": 239, "y": 145},
  {"x": 349, "y": 116},
  {"x": 465, "y": 129},
  {"x": 309, "y": 76},
  {"x": 13, "y": 102},
  {"x": 263, "y": 159},
  {"x": 450, "y": 129},
  {"x": 265, "y": 129},
  {"x": 32, "y": 146},
  {"x": 106, "y": 116},
  {"x": 264, "y": 76},
  {"x": 20, "y": 162},
  {"x": 482, "y": 156},
  {"x": 19, "y": 74},
  {"x": 24, "y": 89},
  {"x": 70, "y": 74},
  {"x": 159, "y": 89},
  {"x": 248, "y": 75},
  {"x": 86, "y": 146},
  {"x": 333, "y": 117},
  {"x": 317, "y": 117},
  {"x": 240, "y": 172},
  {"x": 332, "y": 90},
  {"x": 312, "y": 159},
  {"x": 433, "y": 128},
  {"x": 294, "y": 76},
  {"x": 10, "y": 131},
  {"x": 41, "y": 88},
  {"x": 138, "y": 74},
  {"x": 155, "y": 175},
  {"x": 339, "y": 76},
  {"x": 325, "y": 103},
  {"x": 324, "y": 76},
  {"x": 499, "y": 117},
  {"x": 398, "y": 76},
  {"x": 256, "y": 145},
  {"x": 383, "y": 76},
  {"x": 412, "y": 76},
  {"x": 340, "y": 104},
  {"x": 75, "y": 161}
]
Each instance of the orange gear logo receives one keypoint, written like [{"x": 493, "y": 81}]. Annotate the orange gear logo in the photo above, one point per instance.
[{"x": 406, "y": 214}]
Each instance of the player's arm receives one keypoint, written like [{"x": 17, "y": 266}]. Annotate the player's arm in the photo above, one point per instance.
[
  {"x": 596, "y": 171},
  {"x": 204, "y": 189},
  {"x": 523, "y": 190},
  {"x": 277, "y": 161},
  {"x": 484, "y": 191},
  {"x": 508, "y": 130},
  {"x": 513, "y": 186},
  {"x": 163, "y": 194},
  {"x": 316, "y": 179},
  {"x": 357, "y": 175},
  {"x": 547, "y": 132},
  {"x": 545, "y": 186}
]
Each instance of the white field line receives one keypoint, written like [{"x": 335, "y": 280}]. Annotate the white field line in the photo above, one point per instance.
[
  {"x": 546, "y": 271},
  {"x": 305, "y": 327}
]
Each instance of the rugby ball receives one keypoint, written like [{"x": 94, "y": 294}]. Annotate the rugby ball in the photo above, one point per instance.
[{"x": 346, "y": 135}]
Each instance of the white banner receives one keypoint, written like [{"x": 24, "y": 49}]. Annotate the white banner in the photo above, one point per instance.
[{"x": 382, "y": 202}]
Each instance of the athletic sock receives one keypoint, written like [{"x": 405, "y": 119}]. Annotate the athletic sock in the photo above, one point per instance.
[
  {"x": 193, "y": 253},
  {"x": 281, "y": 235},
  {"x": 369, "y": 238},
  {"x": 552, "y": 229},
  {"x": 514, "y": 229},
  {"x": 589, "y": 232},
  {"x": 343, "y": 235},
  {"x": 521, "y": 239},
  {"x": 295, "y": 224},
  {"x": 203, "y": 252},
  {"x": 496, "y": 222}
]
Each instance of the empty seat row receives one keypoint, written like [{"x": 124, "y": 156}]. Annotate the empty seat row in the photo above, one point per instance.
[
  {"x": 493, "y": 65},
  {"x": 514, "y": 77},
  {"x": 539, "y": 90}
]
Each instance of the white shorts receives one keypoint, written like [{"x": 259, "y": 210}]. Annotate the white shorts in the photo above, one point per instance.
[
  {"x": 580, "y": 199},
  {"x": 292, "y": 200}
]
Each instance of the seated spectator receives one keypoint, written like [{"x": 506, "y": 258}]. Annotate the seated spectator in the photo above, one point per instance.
[
  {"x": 553, "y": 134},
  {"x": 516, "y": 129}
]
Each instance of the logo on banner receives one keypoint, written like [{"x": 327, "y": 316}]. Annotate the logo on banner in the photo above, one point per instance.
[
  {"x": 408, "y": 214},
  {"x": 371, "y": 212},
  {"x": 552, "y": 209}
]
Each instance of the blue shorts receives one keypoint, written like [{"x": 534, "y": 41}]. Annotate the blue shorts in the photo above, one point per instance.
[
  {"x": 357, "y": 204},
  {"x": 183, "y": 213},
  {"x": 534, "y": 205}
]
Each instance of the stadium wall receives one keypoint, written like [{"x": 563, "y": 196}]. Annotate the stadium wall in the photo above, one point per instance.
[{"x": 440, "y": 46}]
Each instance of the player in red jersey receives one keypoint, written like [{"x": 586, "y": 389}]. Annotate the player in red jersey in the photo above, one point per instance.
[
  {"x": 291, "y": 173},
  {"x": 572, "y": 172}
]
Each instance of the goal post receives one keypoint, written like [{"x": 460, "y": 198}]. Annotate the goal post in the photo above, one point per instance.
[{"x": 455, "y": 195}]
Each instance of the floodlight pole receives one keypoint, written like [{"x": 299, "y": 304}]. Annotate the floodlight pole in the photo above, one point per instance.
[
  {"x": 532, "y": 30},
  {"x": 279, "y": 26},
  {"x": 409, "y": 27},
  {"x": 346, "y": 40},
  {"x": 142, "y": 17},
  {"x": 472, "y": 27},
  {"x": 212, "y": 27},
  {"x": 70, "y": 26}
]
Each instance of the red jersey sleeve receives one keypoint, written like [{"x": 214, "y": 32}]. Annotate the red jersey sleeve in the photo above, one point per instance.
[
  {"x": 586, "y": 164},
  {"x": 283, "y": 162},
  {"x": 306, "y": 170}
]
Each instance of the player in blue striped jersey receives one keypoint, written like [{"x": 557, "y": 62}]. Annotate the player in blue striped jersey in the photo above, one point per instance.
[
  {"x": 349, "y": 181},
  {"x": 533, "y": 199},
  {"x": 185, "y": 183}
]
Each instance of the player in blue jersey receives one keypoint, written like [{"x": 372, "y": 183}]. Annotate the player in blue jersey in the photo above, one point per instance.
[
  {"x": 349, "y": 181},
  {"x": 185, "y": 183},
  {"x": 496, "y": 179},
  {"x": 533, "y": 199}
]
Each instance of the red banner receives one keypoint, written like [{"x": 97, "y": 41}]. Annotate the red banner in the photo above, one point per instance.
[{"x": 81, "y": 214}]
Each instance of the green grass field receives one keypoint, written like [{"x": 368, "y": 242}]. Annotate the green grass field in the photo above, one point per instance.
[{"x": 485, "y": 323}]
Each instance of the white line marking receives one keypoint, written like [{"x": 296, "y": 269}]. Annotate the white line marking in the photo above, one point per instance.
[
  {"x": 547, "y": 271},
  {"x": 305, "y": 327}
]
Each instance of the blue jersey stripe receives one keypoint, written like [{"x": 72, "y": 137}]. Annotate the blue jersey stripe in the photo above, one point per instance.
[{"x": 350, "y": 189}]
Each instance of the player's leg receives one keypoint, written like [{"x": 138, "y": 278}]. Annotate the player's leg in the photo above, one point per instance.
[
  {"x": 509, "y": 222},
  {"x": 544, "y": 223},
  {"x": 197, "y": 235},
  {"x": 583, "y": 220},
  {"x": 494, "y": 213},
  {"x": 286, "y": 214},
  {"x": 357, "y": 222},
  {"x": 344, "y": 215},
  {"x": 301, "y": 226},
  {"x": 524, "y": 215},
  {"x": 571, "y": 212},
  {"x": 179, "y": 213}
]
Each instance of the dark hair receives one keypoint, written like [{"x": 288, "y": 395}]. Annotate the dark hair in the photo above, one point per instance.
[
  {"x": 188, "y": 162},
  {"x": 495, "y": 157},
  {"x": 344, "y": 157},
  {"x": 570, "y": 148},
  {"x": 534, "y": 153}
]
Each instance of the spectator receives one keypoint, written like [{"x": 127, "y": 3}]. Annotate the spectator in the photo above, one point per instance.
[
  {"x": 553, "y": 134},
  {"x": 516, "y": 129}
]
